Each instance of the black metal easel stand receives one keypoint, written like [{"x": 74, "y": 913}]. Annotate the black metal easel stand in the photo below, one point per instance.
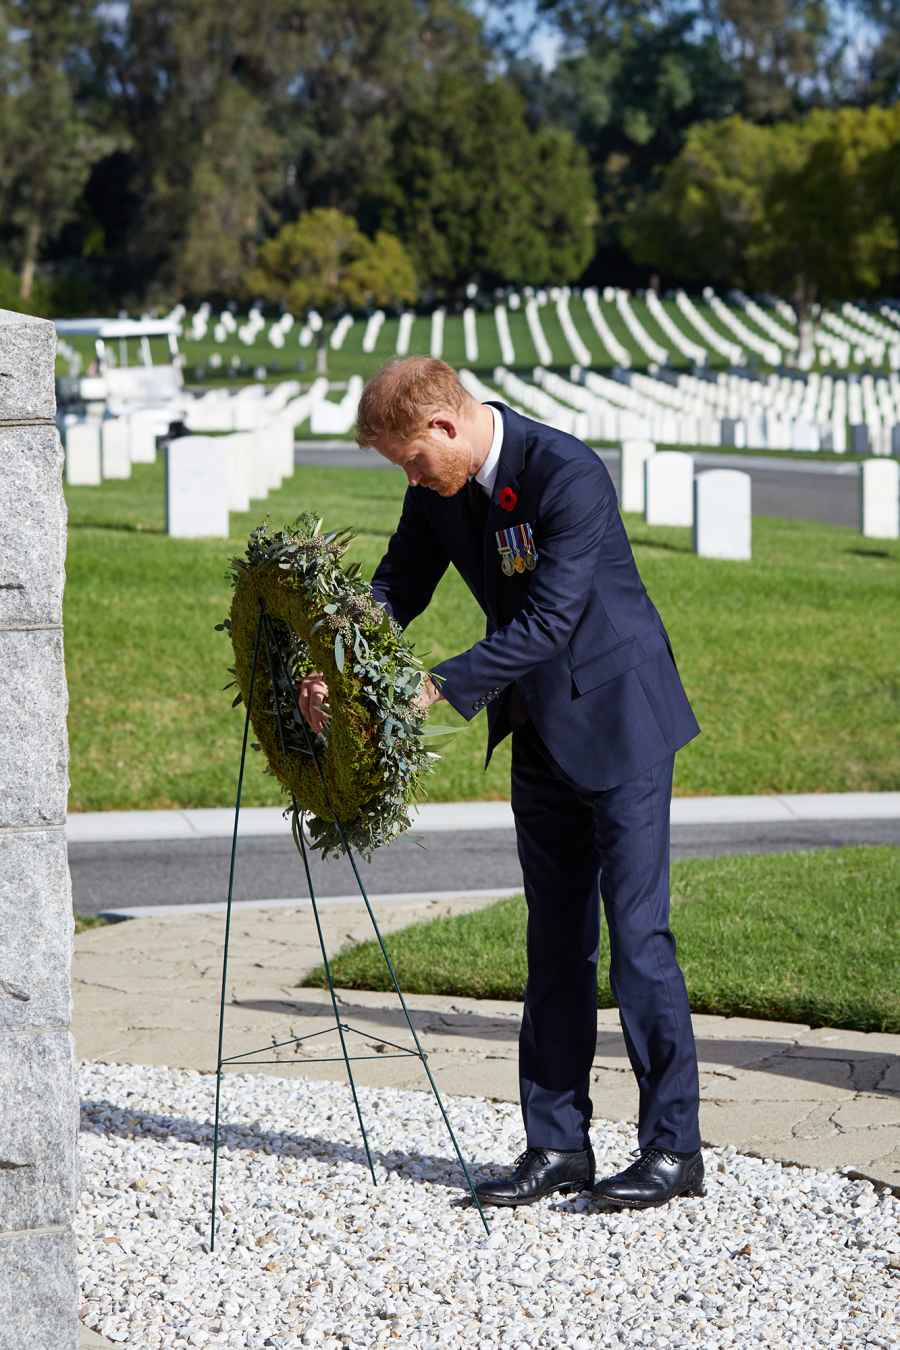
[{"x": 281, "y": 677}]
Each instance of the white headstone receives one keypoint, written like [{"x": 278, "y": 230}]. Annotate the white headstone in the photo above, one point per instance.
[
  {"x": 804, "y": 436},
  {"x": 722, "y": 514},
  {"x": 83, "y": 454},
  {"x": 260, "y": 467},
  {"x": 146, "y": 425},
  {"x": 238, "y": 451},
  {"x": 879, "y": 498},
  {"x": 669, "y": 488},
  {"x": 634, "y": 455},
  {"x": 196, "y": 488},
  {"x": 115, "y": 447}
]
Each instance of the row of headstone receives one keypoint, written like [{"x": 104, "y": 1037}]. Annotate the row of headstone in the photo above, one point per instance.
[
  {"x": 96, "y": 449},
  {"x": 336, "y": 419},
  {"x": 717, "y": 503},
  {"x": 207, "y": 477},
  {"x": 665, "y": 488}
]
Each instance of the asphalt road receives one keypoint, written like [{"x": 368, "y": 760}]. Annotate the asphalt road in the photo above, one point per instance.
[
  {"x": 817, "y": 490},
  {"x": 179, "y": 872}
]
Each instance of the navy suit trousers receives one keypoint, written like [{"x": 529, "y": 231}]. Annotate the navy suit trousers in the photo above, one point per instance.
[{"x": 568, "y": 838}]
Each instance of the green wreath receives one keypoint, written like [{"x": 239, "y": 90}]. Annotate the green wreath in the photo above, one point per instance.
[{"x": 357, "y": 779}]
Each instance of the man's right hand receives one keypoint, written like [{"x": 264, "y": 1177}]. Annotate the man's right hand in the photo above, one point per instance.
[{"x": 312, "y": 700}]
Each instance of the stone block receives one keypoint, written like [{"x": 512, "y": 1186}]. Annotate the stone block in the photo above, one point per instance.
[
  {"x": 879, "y": 498},
  {"x": 33, "y": 538},
  {"x": 34, "y": 777},
  {"x": 37, "y": 925},
  {"x": 669, "y": 488},
  {"x": 27, "y": 361},
  {"x": 722, "y": 527},
  {"x": 260, "y": 473},
  {"x": 635, "y": 452},
  {"x": 238, "y": 451},
  {"x": 38, "y": 1129},
  {"x": 39, "y": 1293},
  {"x": 145, "y": 424},
  {"x": 196, "y": 488},
  {"x": 115, "y": 447},
  {"x": 83, "y": 468}
]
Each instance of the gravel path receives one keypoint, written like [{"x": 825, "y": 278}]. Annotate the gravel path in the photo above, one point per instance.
[{"x": 310, "y": 1253}]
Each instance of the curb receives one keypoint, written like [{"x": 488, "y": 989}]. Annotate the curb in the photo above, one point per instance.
[{"x": 91, "y": 827}]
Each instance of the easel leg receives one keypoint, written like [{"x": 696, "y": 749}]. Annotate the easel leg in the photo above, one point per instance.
[{"x": 237, "y": 810}]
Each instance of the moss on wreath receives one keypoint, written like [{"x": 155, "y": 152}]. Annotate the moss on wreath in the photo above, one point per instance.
[{"x": 362, "y": 773}]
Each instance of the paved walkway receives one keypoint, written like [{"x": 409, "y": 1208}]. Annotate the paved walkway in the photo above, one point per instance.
[
  {"x": 146, "y": 991},
  {"x": 218, "y": 822}
]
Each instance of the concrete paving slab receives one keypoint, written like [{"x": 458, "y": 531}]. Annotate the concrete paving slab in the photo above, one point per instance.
[
  {"x": 147, "y": 992},
  {"x": 91, "y": 1341},
  {"x": 218, "y": 822}
]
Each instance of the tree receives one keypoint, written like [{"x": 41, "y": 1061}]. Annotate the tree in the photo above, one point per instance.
[
  {"x": 710, "y": 205},
  {"x": 828, "y": 232},
  {"x": 781, "y": 55},
  {"x": 360, "y": 66},
  {"x": 511, "y": 206},
  {"x": 628, "y": 90},
  {"x": 194, "y": 83},
  {"x": 48, "y": 143},
  {"x": 799, "y": 208},
  {"x": 324, "y": 261}
]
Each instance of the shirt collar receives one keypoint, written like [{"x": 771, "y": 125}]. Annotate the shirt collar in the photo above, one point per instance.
[{"x": 488, "y": 471}]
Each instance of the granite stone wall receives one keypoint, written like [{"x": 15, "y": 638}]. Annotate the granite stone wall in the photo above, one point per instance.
[{"x": 38, "y": 1098}]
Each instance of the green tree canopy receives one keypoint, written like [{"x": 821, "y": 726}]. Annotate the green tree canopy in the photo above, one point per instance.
[
  {"x": 48, "y": 142},
  {"x": 508, "y": 206},
  {"x": 324, "y": 261},
  {"x": 799, "y": 208}
]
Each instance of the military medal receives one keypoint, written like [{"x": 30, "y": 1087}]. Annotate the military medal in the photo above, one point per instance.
[
  {"x": 528, "y": 548},
  {"x": 517, "y": 551}
]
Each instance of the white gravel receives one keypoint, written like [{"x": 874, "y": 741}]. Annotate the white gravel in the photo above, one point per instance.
[{"x": 310, "y": 1253}]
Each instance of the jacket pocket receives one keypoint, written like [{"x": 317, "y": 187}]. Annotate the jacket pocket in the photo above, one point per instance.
[{"x": 596, "y": 670}]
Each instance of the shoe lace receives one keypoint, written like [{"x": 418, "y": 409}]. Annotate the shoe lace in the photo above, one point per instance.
[
  {"x": 646, "y": 1156},
  {"x": 528, "y": 1153}
]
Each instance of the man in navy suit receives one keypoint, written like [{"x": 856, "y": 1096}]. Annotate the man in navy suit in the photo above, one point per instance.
[{"x": 577, "y": 665}]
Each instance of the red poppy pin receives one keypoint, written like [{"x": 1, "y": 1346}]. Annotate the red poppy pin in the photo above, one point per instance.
[{"x": 507, "y": 498}]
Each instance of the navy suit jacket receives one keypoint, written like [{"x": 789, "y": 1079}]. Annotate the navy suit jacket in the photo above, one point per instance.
[{"x": 578, "y": 635}]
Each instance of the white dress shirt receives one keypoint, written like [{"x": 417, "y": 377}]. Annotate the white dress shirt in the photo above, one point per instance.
[{"x": 487, "y": 474}]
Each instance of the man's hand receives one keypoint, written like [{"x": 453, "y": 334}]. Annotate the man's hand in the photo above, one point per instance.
[
  {"x": 312, "y": 700},
  {"x": 428, "y": 694}
]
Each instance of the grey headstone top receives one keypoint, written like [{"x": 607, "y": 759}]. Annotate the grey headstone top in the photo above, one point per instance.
[{"x": 27, "y": 366}]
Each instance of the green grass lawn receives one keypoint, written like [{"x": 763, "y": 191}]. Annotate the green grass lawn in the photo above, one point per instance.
[
  {"x": 791, "y": 661},
  {"x": 796, "y": 937}
]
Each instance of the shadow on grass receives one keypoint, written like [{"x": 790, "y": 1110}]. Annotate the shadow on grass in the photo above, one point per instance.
[
  {"x": 642, "y": 541},
  {"x": 120, "y": 525},
  {"x": 870, "y": 553}
]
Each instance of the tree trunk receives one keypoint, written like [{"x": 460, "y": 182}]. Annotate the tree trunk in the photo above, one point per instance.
[{"x": 29, "y": 260}]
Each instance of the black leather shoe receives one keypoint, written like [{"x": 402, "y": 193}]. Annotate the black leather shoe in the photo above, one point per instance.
[
  {"x": 654, "y": 1179},
  {"x": 539, "y": 1172}
]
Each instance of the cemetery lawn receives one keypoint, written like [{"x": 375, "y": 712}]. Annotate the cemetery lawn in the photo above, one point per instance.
[
  {"x": 790, "y": 937},
  {"x": 791, "y": 661}
]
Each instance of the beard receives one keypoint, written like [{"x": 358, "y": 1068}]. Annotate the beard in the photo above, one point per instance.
[{"x": 452, "y": 471}]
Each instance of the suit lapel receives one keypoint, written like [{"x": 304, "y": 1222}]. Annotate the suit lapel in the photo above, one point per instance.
[{"x": 512, "y": 458}]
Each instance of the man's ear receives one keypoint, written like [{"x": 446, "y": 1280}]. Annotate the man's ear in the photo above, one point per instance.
[{"x": 441, "y": 422}]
